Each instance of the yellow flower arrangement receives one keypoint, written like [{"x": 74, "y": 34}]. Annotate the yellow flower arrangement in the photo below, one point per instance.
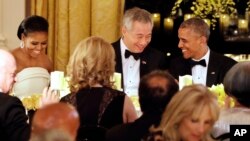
[
  {"x": 59, "y": 82},
  {"x": 176, "y": 6},
  {"x": 31, "y": 102},
  {"x": 248, "y": 6},
  {"x": 223, "y": 99},
  {"x": 209, "y": 9}
]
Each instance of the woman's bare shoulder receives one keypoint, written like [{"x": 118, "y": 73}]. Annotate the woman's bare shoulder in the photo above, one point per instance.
[
  {"x": 17, "y": 52},
  {"x": 47, "y": 62}
]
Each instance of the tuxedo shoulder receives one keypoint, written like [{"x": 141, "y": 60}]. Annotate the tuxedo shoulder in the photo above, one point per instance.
[
  {"x": 5, "y": 98},
  {"x": 7, "y": 103},
  {"x": 222, "y": 58},
  {"x": 114, "y": 91},
  {"x": 153, "y": 53},
  {"x": 116, "y": 43},
  {"x": 152, "y": 50},
  {"x": 178, "y": 59}
]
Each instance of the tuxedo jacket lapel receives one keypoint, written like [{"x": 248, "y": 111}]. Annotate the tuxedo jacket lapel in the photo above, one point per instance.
[
  {"x": 143, "y": 65},
  {"x": 118, "y": 59},
  {"x": 211, "y": 71},
  {"x": 188, "y": 68},
  {"x": 185, "y": 69}
]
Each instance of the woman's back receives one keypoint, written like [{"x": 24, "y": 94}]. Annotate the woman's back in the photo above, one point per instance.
[
  {"x": 98, "y": 106},
  {"x": 90, "y": 69}
]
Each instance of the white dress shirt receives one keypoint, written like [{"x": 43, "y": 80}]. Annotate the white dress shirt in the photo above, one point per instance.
[
  {"x": 199, "y": 73},
  {"x": 131, "y": 72}
]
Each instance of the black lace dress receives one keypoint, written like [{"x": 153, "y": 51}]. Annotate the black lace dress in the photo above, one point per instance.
[{"x": 98, "y": 107}]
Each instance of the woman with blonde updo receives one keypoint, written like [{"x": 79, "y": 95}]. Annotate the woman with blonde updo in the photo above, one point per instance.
[{"x": 90, "y": 69}]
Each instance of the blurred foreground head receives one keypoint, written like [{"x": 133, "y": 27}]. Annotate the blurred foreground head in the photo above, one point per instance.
[
  {"x": 236, "y": 83},
  {"x": 156, "y": 90},
  {"x": 190, "y": 115},
  {"x": 52, "y": 135},
  {"x": 7, "y": 71},
  {"x": 60, "y": 116}
]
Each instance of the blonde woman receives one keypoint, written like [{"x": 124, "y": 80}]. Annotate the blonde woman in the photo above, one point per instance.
[
  {"x": 189, "y": 116},
  {"x": 90, "y": 68}
]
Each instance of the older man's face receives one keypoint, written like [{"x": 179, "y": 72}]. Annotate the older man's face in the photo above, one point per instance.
[
  {"x": 9, "y": 77},
  {"x": 138, "y": 37}
]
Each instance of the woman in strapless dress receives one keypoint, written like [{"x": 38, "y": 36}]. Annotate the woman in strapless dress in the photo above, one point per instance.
[{"x": 33, "y": 65}]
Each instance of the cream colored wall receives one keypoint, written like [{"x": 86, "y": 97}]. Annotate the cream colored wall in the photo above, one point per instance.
[{"x": 12, "y": 12}]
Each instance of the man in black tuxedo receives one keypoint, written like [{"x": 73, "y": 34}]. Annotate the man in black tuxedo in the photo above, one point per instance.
[
  {"x": 133, "y": 56},
  {"x": 13, "y": 120},
  {"x": 205, "y": 66},
  {"x": 155, "y": 91}
]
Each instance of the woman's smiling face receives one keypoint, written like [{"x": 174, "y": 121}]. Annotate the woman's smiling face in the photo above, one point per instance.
[{"x": 35, "y": 43}]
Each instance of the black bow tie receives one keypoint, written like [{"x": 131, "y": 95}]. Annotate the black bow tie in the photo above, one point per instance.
[
  {"x": 135, "y": 55},
  {"x": 201, "y": 62}
]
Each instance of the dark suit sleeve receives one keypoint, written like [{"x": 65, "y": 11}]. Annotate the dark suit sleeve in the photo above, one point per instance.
[
  {"x": 226, "y": 64},
  {"x": 164, "y": 63},
  {"x": 179, "y": 67},
  {"x": 155, "y": 59},
  {"x": 172, "y": 68},
  {"x": 117, "y": 133},
  {"x": 14, "y": 120}
]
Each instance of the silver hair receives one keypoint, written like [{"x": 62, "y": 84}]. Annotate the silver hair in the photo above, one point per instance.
[{"x": 136, "y": 14}]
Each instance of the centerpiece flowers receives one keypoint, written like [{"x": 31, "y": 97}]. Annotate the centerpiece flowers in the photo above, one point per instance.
[
  {"x": 32, "y": 102},
  {"x": 224, "y": 100},
  {"x": 209, "y": 9},
  {"x": 58, "y": 82}
]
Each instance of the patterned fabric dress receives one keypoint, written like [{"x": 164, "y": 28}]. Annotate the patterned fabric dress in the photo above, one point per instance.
[{"x": 98, "y": 107}]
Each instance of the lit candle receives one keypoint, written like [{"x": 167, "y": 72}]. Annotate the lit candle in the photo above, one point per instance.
[
  {"x": 117, "y": 79},
  {"x": 56, "y": 80},
  {"x": 247, "y": 16},
  {"x": 157, "y": 20},
  {"x": 188, "y": 16},
  {"x": 224, "y": 21},
  {"x": 168, "y": 24},
  {"x": 242, "y": 24}
]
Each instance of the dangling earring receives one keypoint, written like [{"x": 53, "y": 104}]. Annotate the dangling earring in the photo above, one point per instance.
[{"x": 22, "y": 44}]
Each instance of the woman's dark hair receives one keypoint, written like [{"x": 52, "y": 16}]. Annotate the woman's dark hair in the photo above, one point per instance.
[
  {"x": 237, "y": 83},
  {"x": 156, "y": 97},
  {"x": 32, "y": 24}
]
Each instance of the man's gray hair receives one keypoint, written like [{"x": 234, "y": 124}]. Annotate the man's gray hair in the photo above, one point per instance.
[{"x": 136, "y": 14}]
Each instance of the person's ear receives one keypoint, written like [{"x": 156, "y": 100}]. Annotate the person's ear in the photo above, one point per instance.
[
  {"x": 124, "y": 30},
  {"x": 203, "y": 40},
  {"x": 22, "y": 37}
]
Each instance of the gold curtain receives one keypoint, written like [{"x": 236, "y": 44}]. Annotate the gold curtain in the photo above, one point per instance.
[{"x": 73, "y": 20}]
